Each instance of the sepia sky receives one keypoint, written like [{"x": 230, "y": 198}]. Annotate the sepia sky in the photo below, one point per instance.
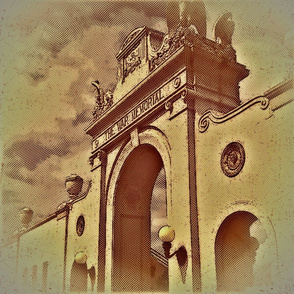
[{"x": 52, "y": 50}]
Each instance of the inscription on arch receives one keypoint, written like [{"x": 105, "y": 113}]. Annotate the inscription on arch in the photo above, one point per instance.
[{"x": 140, "y": 110}]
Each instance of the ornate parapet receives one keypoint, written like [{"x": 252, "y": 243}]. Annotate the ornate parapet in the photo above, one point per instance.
[
  {"x": 188, "y": 37},
  {"x": 210, "y": 116},
  {"x": 133, "y": 52}
]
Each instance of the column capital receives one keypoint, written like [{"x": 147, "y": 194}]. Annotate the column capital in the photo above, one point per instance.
[
  {"x": 189, "y": 97},
  {"x": 99, "y": 158}
]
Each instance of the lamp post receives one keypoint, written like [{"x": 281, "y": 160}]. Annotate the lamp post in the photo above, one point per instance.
[
  {"x": 73, "y": 184},
  {"x": 25, "y": 216},
  {"x": 167, "y": 235}
]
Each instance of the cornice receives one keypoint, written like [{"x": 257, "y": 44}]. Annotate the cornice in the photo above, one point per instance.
[
  {"x": 279, "y": 89},
  {"x": 131, "y": 40}
]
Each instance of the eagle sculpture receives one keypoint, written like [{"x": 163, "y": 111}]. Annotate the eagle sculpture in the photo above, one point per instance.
[
  {"x": 224, "y": 29},
  {"x": 185, "y": 14}
]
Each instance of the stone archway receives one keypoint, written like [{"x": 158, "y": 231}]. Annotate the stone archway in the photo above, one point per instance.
[
  {"x": 78, "y": 277},
  {"x": 132, "y": 261},
  {"x": 235, "y": 251}
]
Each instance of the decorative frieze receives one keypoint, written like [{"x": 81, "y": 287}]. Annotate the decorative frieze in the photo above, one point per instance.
[
  {"x": 170, "y": 45},
  {"x": 131, "y": 62},
  {"x": 188, "y": 37},
  {"x": 140, "y": 110}
]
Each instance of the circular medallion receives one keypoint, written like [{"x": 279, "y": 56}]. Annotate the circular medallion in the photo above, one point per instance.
[
  {"x": 233, "y": 159},
  {"x": 80, "y": 225},
  {"x": 177, "y": 82}
]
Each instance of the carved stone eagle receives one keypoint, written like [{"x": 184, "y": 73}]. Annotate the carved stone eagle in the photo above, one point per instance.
[
  {"x": 185, "y": 14},
  {"x": 224, "y": 29}
]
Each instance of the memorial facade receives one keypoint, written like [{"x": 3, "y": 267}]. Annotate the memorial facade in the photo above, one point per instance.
[{"x": 173, "y": 145}]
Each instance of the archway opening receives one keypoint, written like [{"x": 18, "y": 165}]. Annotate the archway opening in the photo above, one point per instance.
[
  {"x": 235, "y": 251},
  {"x": 135, "y": 267},
  {"x": 78, "y": 277},
  {"x": 158, "y": 212}
]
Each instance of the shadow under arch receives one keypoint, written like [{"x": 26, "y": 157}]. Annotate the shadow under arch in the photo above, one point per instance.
[
  {"x": 235, "y": 251},
  {"x": 132, "y": 261},
  {"x": 78, "y": 277}
]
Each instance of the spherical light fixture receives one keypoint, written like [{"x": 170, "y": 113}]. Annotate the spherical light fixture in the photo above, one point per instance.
[
  {"x": 166, "y": 234},
  {"x": 25, "y": 216},
  {"x": 81, "y": 257},
  {"x": 73, "y": 184}
]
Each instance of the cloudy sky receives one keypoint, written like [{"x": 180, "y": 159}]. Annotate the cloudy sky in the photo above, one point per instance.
[{"x": 52, "y": 50}]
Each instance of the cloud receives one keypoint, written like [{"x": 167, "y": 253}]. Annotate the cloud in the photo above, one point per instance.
[
  {"x": 9, "y": 196},
  {"x": 51, "y": 51},
  {"x": 48, "y": 27},
  {"x": 29, "y": 152},
  {"x": 46, "y": 190}
]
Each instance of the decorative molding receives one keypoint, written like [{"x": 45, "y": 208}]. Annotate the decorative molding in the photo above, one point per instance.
[
  {"x": 169, "y": 46},
  {"x": 187, "y": 36},
  {"x": 129, "y": 40},
  {"x": 177, "y": 82},
  {"x": 129, "y": 116},
  {"x": 131, "y": 62},
  {"x": 168, "y": 105},
  {"x": 132, "y": 37},
  {"x": 232, "y": 159},
  {"x": 279, "y": 89},
  {"x": 209, "y": 116}
]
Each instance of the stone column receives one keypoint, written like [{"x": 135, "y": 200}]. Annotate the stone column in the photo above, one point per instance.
[
  {"x": 184, "y": 220},
  {"x": 98, "y": 161}
]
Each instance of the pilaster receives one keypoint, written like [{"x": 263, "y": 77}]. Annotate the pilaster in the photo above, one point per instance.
[{"x": 99, "y": 161}]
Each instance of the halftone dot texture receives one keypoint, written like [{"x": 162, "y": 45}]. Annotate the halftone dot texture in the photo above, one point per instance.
[
  {"x": 78, "y": 278},
  {"x": 139, "y": 206},
  {"x": 235, "y": 251},
  {"x": 158, "y": 210},
  {"x": 65, "y": 46},
  {"x": 52, "y": 52}
]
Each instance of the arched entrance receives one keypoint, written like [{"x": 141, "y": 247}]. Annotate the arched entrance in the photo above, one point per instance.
[
  {"x": 133, "y": 265},
  {"x": 78, "y": 277},
  {"x": 235, "y": 251}
]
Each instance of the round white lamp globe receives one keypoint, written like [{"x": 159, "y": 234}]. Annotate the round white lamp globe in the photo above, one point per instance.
[
  {"x": 81, "y": 258},
  {"x": 166, "y": 234}
]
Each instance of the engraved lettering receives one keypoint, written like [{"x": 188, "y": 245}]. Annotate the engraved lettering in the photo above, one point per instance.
[
  {"x": 130, "y": 117},
  {"x": 150, "y": 101},
  {"x": 109, "y": 133},
  {"x": 121, "y": 124}
]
